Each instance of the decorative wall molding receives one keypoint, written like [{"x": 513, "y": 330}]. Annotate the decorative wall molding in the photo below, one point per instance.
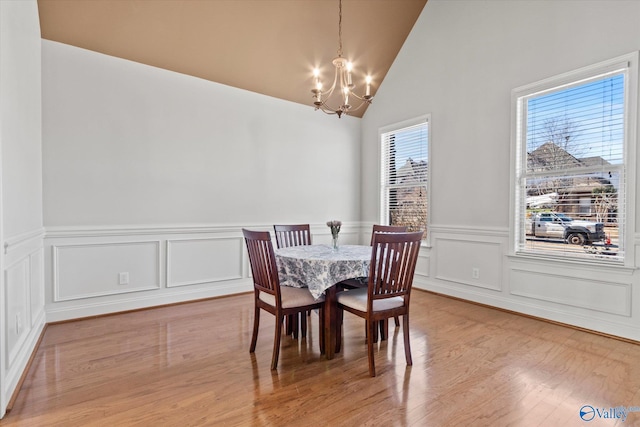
[
  {"x": 36, "y": 285},
  {"x": 60, "y": 232},
  {"x": 546, "y": 262},
  {"x": 184, "y": 272},
  {"x": 188, "y": 262},
  {"x": 78, "y": 309},
  {"x": 17, "y": 321},
  {"x": 11, "y": 243},
  {"x": 469, "y": 260},
  {"x": 139, "y": 230},
  {"x": 90, "y": 262},
  {"x": 591, "y": 294},
  {"x": 423, "y": 265},
  {"x": 487, "y": 232},
  {"x": 209, "y": 260},
  {"x": 608, "y": 324},
  {"x": 595, "y": 296}
]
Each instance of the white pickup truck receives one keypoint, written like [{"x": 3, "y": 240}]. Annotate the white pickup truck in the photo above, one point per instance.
[{"x": 555, "y": 225}]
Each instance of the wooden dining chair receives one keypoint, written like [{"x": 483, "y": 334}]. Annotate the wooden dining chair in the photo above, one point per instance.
[
  {"x": 294, "y": 235},
  {"x": 270, "y": 296},
  {"x": 361, "y": 282},
  {"x": 393, "y": 264}
]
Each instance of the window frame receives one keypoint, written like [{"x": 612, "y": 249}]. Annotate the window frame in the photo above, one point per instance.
[
  {"x": 630, "y": 161},
  {"x": 383, "y": 208}
]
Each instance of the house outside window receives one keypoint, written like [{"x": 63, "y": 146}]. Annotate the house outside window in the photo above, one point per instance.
[
  {"x": 585, "y": 206},
  {"x": 573, "y": 158},
  {"x": 404, "y": 186}
]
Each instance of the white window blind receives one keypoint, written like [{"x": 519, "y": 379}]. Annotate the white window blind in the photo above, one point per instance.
[
  {"x": 571, "y": 171},
  {"x": 404, "y": 175}
]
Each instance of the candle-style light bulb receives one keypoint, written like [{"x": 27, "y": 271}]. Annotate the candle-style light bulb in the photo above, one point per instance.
[
  {"x": 318, "y": 87},
  {"x": 349, "y": 69},
  {"x": 368, "y": 81}
]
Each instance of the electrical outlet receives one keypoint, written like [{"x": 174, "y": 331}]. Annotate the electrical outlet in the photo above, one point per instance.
[
  {"x": 123, "y": 278},
  {"x": 475, "y": 273}
]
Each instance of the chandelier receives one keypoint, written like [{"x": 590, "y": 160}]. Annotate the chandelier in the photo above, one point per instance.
[{"x": 342, "y": 85}]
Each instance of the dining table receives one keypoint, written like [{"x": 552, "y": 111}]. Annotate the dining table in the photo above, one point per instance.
[{"x": 320, "y": 268}]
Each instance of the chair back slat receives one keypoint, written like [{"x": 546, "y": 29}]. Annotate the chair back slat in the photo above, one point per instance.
[
  {"x": 393, "y": 263},
  {"x": 263, "y": 262},
  {"x": 292, "y": 235},
  {"x": 377, "y": 228}
]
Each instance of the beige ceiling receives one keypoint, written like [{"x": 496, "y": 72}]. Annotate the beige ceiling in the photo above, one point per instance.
[{"x": 265, "y": 46}]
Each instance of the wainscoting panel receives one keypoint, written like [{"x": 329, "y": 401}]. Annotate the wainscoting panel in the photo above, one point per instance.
[
  {"x": 470, "y": 262},
  {"x": 23, "y": 300},
  {"x": 36, "y": 276},
  {"x": 17, "y": 320},
  {"x": 589, "y": 293},
  {"x": 203, "y": 260},
  {"x": 98, "y": 269},
  {"x": 422, "y": 265}
]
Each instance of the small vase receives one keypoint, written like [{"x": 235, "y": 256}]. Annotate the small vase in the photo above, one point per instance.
[{"x": 334, "y": 242}]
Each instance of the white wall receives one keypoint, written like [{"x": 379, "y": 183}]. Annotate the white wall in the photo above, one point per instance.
[
  {"x": 153, "y": 173},
  {"x": 460, "y": 64},
  {"x": 21, "y": 232},
  {"x": 129, "y": 144}
]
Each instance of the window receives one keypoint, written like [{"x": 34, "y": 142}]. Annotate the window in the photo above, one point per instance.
[
  {"x": 405, "y": 174},
  {"x": 573, "y": 161}
]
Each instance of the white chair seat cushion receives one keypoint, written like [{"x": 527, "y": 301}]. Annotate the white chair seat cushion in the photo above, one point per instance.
[
  {"x": 357, "y": 299},
  {"x": 291, "y": 297}
]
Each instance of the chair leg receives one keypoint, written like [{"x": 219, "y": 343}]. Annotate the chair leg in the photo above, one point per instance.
[
  {"x": 407, "y": 345},
  {"x": 376, "y": 336},
  {"x": 397, "y": 321},
  {"x": 371, "y": 326},
  {"x": 339, "y": 320},
  {"x": 321, "y": 330},
  {"x": 288, "y": 324},
  {"x": 294, "y": 325},
  {"x": 303, "y": 324},
  {"x": 276, "y": 342},
  {"x": 256, "y": 323},
  {"x": 384, "y": 329}
]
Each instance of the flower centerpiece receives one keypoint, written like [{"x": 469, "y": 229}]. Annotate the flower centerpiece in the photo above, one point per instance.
[{"x": 335, "y": 229}]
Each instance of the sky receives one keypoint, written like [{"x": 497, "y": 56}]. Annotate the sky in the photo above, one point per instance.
[
  {"x": 408, "y": 144},
  {"x": 595, "y": 110}
]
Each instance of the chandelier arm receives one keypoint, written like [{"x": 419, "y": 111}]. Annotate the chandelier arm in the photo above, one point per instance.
[
  {"x": 351, "y": 110},
  {"x": 325, "y": 107},
  {"x": 344, "y": 82},
  {"x": 329, "y": 110},
  {"x": 326, "y": 111},
  {"x": 362, "y": 98},
  {"x": 329, "y": 92}
]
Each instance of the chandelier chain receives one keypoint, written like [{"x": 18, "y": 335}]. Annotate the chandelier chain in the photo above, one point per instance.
[{"x": 340, "y": 29}]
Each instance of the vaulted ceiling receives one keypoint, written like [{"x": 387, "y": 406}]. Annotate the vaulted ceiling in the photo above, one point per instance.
[{"x": 264, "y": 46}]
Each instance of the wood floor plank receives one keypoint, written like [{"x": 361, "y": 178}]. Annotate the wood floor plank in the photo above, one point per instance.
[{"x": 189, "y": 365}]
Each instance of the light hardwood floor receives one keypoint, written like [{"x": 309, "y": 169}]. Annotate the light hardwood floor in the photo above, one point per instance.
[{"x": 189, "y": 365}]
